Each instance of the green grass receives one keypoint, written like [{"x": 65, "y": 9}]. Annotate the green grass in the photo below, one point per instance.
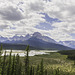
[{"x": 53, "y": 61}]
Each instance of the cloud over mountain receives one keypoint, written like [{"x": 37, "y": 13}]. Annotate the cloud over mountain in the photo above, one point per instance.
[{"x": 22, "y": 16}]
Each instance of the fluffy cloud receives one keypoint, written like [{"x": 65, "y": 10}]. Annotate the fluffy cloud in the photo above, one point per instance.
[
  {"x": 21, "y": 16},
  {"x": 64, "y": 11},
  {"x": 11, "y": 14}
]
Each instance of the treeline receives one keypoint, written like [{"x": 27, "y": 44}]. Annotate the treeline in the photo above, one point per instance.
[
  {"x": 12, "y": 65},
  {"x": 16, "y": 46},
  {"x": 70, "y": 53}
]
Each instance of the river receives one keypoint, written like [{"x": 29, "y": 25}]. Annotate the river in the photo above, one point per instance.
[{"x": 22, "y": 53}]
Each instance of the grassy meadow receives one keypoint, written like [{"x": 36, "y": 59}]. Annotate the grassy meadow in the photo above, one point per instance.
[{"x": 53, "y": 63}]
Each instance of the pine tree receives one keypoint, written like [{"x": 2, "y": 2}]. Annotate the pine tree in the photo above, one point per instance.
[
  {"x": 15, "y": 64},
  {"x": 27, "y": 61},
  {"x": 13, "y": 67},
  {"x": 3, "y": 65},
  {"x": 20, "y": 68},
  {"x": 9, "y": 65},
  {"x": 1, "y": 58},
  {"x": 31, "y": 71},
  {"x": 18, "y": 65}
]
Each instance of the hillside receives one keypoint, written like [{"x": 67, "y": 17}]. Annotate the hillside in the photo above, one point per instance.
[{"x": 16, "y": 46}]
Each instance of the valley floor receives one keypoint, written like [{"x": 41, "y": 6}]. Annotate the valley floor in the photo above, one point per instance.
[{"x": 52, "y": 61}]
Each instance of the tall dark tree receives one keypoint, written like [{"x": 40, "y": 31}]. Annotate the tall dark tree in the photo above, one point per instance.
[
  {"x": 13, "y": 67},
  {"x": 0, "y": 58},
  {"x": 18, "y": 65},
  {"x": 20, "y": 68},
  {"x": 9, "y": 68},
  {"x": 27, "y": 61},
  {"x": 31, "y": 71},
  {"x": 4, "y": 65}
]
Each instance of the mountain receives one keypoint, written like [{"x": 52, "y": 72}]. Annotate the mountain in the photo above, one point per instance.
[
  {"x": 44, "y": 38},
  {"x": 17, "y": 39},
  {"x": 3, "y": 39},
  {"x": 36, "y": 40},
  {"x": 38, "y": 43},
  {"x": 22, "y": 39},
  {"x": 68, "y": 43}
]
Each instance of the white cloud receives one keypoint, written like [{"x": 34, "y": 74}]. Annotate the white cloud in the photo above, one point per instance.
[
  {"x": 21, "y": 17},
  {"x": 64, "y": 11}
]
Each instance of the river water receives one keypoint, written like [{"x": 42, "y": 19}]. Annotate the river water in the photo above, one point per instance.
[{"x": 31, "y": 52}]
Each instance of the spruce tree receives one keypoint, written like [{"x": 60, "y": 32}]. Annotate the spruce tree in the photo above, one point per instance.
[
  {"x": 18, "y": 65},
  {"x": 31, "y": 71},
  {"x": 9, "y": 68},
  {"x": 1, "y": 58},
  {"x": 4, "y": 65},
  {"x": 13, "y": 67},
  {"x": 20, "y": 68},
  {"x": 27, "y": 61},
  {"x": 15, "y": 64}
]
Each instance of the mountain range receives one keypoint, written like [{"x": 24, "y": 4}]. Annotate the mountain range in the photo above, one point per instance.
[
  {"x": 68, "y": 43},
  {"x": 37, "y": 41}
]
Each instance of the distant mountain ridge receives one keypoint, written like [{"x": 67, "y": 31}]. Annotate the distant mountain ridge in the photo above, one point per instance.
[
  {"x": 36, "y": 40},
  {"x": 2, "y": 39},
  {"x": 68, "y": 43},
  {"x": 19, "y": 39}
]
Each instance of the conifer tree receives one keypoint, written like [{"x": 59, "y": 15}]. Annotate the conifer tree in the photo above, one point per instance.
[
  {"x": 31, "y": 71},
  {"x": 1, "y": 58},
  {"x": 27, "y": 61},
  {"x": 20, "y": 68},
  {"x": 15, "y": 64},
  {"x": 4, "y": 65},
  {"x": 0, "y": 54},
  {"x": 13, "y": 67},
  {"x": 9, "y": 65},
  {"x": 18, "y": 65}
]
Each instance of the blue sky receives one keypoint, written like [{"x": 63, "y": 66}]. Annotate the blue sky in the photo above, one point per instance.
[
  {"x": 52, "y": 18},
  {"x": 48, "y": 24}
]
